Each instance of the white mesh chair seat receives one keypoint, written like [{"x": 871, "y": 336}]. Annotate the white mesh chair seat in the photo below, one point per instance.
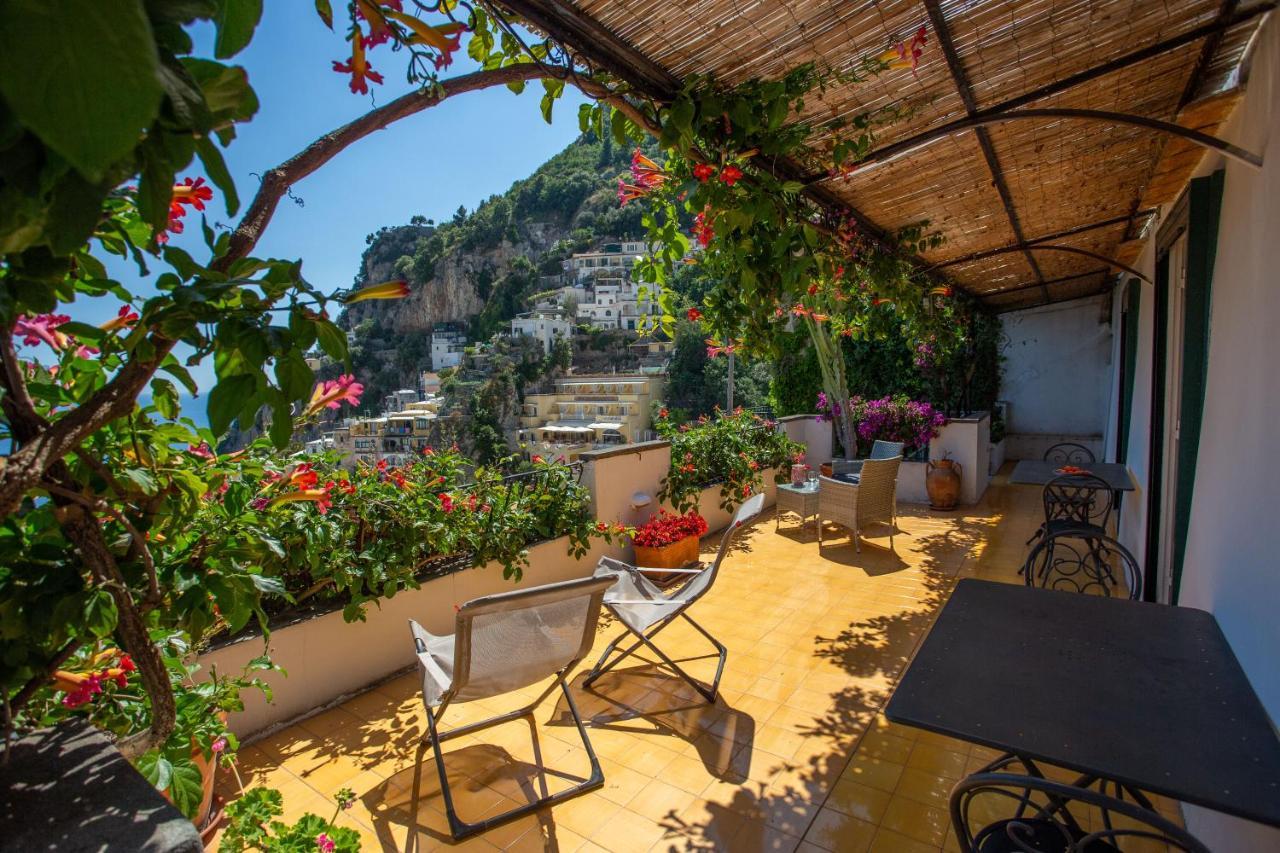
[
  {"x": 503, "y": 643},
  {"x": 872, "y": 500},
  {"x": 644, "y": 609}
]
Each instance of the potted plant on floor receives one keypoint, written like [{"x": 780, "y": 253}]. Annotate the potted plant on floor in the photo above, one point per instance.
[{"x": 669, "y": 541}]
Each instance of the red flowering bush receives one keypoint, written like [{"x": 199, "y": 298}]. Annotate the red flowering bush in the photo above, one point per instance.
[
  {"x": 666, "y": 528},
  {"x": 732, "y": 450}
]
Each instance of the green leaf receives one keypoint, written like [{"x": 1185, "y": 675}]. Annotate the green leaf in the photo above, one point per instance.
[
  {"x": 165, "y": 397},
  {"x": 155, "y": 768},
  {"x": 281, "y": 421},
  {"x": 236, "y": 20},
  {"x": 682, "y": 116},
  {"x": 141, "y": 478},
  {"x": 186, "y": 785},
  {"x": 553, "y": 88},
  {"x": 177, "y": 371},
  {"x": 225, "y": 400},
  {"x": 293, "y": 376},
  {"x": 325, "y": 11},
  {"x": 226, "y": 92},
  {"x": 516, "y": 86},
  {"x": 332, "y": 340},
  {"x": 100, "y": 614},
  {"x": 83, "y": 77},
  {"x": 216, "y": 168},
  {"x": 269, "y": 585}
]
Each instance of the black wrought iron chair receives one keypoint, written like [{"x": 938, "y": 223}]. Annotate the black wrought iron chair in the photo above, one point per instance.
[
  {"x": 1084, "y": 562},
  {"x": 1069, "y": 453},
  {"x": 1081, "y": 503},
  {"x": 1044, "y": 816}
]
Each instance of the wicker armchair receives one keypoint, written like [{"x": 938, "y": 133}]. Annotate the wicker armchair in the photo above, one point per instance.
[
  {"x": 872, "y": 500},
  {"x": 879, "y": 450}
]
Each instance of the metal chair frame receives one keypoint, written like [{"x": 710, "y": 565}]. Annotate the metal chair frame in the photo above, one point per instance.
[
  {"x": 1081, "y": 571},
  {"x": 1069, "y": 453},
  {"x": 1055, "y": 812},
  {"x": 1073, "y": 500},
  {"x": 749, "y": 510},
  {"x": 458, "y": 828}
]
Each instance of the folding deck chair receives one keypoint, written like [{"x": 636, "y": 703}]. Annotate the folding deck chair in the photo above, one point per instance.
[
  {"x": 502, "y": 643},
  {"x": 644, "y": 609}
]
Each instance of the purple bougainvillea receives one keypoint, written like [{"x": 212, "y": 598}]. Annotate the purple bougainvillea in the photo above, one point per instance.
[{"x": 913, "y": 422}]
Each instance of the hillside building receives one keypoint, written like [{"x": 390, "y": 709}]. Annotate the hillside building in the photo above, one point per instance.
[
  {"x": 589, "y": 412},
  {"x": 448, "y": 342},
  {"x": 546, "y": 327}
]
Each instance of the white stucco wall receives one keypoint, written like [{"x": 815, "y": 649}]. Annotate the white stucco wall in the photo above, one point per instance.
[
  {"x": 1230, "y": 567},
  {"x": 1057, "y": 375}
]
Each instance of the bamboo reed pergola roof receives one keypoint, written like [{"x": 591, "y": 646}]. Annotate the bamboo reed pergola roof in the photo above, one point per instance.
[{"x": 1038, "y": 201}]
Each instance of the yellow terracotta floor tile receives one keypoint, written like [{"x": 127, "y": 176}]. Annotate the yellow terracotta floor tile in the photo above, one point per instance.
[{"x": 794, "y": 755}]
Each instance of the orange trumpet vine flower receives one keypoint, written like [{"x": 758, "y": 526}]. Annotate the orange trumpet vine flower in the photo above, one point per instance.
[
  {"x": 906, "y": 54},
  {"x": 358, "y": 67},
  {"x": 124, "y": 318},
  {"x": 385, "y": 290},
  {"x": 446, "y": 38},
  {"x": 646, "y": 172}
]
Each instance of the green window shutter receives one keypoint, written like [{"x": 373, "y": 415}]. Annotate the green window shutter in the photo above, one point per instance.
[
  {"x": 1205, "y": 197},
  {"x": 1134, "y": 305}
]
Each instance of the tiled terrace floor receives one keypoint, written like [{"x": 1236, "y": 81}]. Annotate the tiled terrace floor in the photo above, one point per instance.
[{"x": 794, "y": 755}]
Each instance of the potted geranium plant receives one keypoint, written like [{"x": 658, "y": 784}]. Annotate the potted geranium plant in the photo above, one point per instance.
[{"x": 669, "y": 541}]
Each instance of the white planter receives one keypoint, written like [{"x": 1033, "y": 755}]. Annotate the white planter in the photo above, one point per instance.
[
  {"x": 717, "y": 518},
  {"x": 328, "y": 659},
  {"x": 911, "y": 487},
  {"x": 966, "y": 440},
  {"x": 996, "y": 452}
]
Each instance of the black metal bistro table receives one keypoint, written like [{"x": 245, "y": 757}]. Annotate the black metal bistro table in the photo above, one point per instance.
[
  {"x": 1037, "y": 472},
  {"x": 1144, "y": 694}
]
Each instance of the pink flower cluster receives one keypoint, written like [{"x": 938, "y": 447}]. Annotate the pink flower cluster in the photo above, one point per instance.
[{"x": 44, "y": 329}]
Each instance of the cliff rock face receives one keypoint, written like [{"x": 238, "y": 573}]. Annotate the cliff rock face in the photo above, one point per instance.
[{"x": 454, "y": 292}]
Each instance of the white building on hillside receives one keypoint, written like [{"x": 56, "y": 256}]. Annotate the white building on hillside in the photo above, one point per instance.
[
  {"x": 545, "y": 327},
  {"x": 448, "y": 340}
]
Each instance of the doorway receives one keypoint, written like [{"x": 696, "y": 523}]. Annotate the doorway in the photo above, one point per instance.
[{"x": 1185, "y": 251}]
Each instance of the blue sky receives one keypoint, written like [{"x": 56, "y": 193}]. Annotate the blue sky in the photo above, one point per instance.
[{"x": 459, "y": 152}]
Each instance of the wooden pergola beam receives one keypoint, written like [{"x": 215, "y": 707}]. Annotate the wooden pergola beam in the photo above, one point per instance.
[
  {"x": 942, "y": 32},
  {"x": 1220, "y": 25},
  {"x": 1123, "y": 219},
  {"x": 1207, "y": 51},
  {"x": 1074, "y": 250},
  {"x": 1204, "y": 140}
]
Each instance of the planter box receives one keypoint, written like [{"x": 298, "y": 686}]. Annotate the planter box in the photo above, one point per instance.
[
  {"x": 718, "y": 519},
  {"x": 674, "y": 556},
  {"x": 911, "y": 488},
  {"x": 677, "y": 555},
  {"x": 328, "y": 659}
]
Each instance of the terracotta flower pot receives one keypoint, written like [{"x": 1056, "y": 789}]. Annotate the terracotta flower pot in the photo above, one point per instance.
[
  {"x": 677, "y": 555},
  {"x": 208, "y": 778},
  {"x": 943, "y": 483}
]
